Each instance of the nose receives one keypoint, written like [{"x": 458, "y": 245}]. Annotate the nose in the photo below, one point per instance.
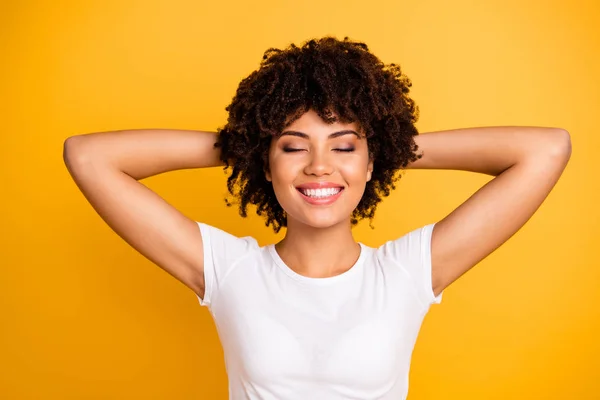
[{"x": 319, "y": 164}]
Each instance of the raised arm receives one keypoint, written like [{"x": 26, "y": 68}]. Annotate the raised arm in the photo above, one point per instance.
[
  {"x": 106, "y": 166},
  {"x": 526, "y": 162}
]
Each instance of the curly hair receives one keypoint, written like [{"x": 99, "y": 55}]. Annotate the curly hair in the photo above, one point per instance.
[{"x": 341, "y": 81}]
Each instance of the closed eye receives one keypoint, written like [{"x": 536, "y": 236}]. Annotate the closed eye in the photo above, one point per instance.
[{"x": 291, "y": 150}]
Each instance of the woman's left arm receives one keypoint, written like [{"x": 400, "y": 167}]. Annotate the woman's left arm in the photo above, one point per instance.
[{"x": 526, "y": 163}]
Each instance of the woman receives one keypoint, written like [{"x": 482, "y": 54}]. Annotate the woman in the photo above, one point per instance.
[{"x": 315, "y": 139}]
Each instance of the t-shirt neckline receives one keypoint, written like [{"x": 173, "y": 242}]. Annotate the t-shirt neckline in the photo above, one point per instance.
[{"x": 356, "y": 267}]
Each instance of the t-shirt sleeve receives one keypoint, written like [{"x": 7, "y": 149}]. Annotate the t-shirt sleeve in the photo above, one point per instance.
[
  {"x": 221, "y": 252},
  {"x": 413, "y": 253}
]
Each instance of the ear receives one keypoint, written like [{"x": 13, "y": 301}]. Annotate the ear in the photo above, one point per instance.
[
  {"x": 267, "y": 174},
  {"x": 369, "y": 169}
]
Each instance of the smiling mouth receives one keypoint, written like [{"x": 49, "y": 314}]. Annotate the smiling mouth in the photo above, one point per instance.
[{"x": 320, "y": 193}]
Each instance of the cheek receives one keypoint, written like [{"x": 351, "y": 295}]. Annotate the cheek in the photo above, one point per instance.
[
  {"x": 356, "y": 171},
  {"x": 283, "y": 172}
]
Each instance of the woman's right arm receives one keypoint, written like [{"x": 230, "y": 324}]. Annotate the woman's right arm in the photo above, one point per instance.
[{"x": 106, "y": 166}]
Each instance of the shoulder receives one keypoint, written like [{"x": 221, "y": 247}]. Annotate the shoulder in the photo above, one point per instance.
[
  {"x": 411, "y": 247},
  {"x": 222, "y": 253},
  {"x": 411, "y": 253},
  {"x": 220, "y": 235}
]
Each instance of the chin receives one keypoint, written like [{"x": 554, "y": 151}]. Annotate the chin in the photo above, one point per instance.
[{"x": 323, "y": 222}]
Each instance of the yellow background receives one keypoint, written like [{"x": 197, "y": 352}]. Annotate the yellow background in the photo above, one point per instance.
[{"x": 83, "y": 316}]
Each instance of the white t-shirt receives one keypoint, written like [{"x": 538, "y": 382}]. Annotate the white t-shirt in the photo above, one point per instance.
[{"x": 286, "y": 336}]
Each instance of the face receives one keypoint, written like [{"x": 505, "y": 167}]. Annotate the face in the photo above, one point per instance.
[{"x": 319, "y": 171}]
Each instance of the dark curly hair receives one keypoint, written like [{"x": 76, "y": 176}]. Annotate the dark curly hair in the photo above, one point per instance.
[{"x": 339, "y": 80}]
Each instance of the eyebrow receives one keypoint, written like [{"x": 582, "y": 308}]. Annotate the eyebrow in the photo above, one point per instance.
[{"x": 331, "y": 136}]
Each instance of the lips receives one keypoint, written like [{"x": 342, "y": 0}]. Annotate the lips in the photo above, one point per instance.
[
  {"x": 320, "y": 193},
  {"x": 319, "y": 189},
  {"x": 318, "y": 185}
]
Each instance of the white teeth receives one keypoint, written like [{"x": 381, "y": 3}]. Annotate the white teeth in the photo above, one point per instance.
[{"x": 321, "y": 192}]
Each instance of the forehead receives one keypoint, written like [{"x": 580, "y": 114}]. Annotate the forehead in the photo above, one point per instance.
[{"x": 311, "y": 124}]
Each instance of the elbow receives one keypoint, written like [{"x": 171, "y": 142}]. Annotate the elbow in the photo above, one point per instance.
[
  {"x": 69, "y": 149},
  {"x": 560, "y": 144},
  {"x": 73, "y": 151}
]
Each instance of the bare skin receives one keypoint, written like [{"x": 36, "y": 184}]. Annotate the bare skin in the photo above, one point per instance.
[
  {"x": 318, "y": 241},
  {"x": 107, "y": 167},
  {"x": 526, "y": 162}
]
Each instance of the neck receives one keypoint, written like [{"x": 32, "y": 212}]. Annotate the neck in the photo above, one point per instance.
[{"x": 318, "y": 252}]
